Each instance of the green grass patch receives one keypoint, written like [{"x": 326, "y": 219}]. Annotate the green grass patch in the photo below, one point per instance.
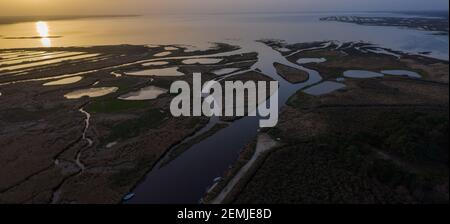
[
  {"x": 123, "y": 178},
  {"x": 150, "y": 119},
  {"x": 113, "y": 105},
  {"x": 392, "y": 156},
  {"x": 300, "y": 100}
]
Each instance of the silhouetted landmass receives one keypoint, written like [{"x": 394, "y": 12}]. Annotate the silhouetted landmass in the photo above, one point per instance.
[{"x": 427, "y": 24}]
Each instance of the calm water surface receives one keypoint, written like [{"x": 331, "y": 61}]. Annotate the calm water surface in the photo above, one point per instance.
[{"x": 202, "y": 30}]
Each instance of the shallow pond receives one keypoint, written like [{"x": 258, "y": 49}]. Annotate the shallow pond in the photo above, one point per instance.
[
  {"x": 167, "y": 72},
  {"x": 162, "y": 54},
  {"x": 362, "y": 74},
  {"x": 402, "y": 73},
  {"x": 171, "y": 48},
  {"x": 383, "y": 51},
  {"x": 64, "y": 81},
  {"x": 311, "y": 60},
  {"x": 156, "y": 63},
  {"x": 202, "y": 61},
  {"x": 146, "y": 93},
  {"x": 225, "y": 71},
  {"x": 91, "y": 92}
]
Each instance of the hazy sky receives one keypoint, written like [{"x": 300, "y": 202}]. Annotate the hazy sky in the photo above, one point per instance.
[{"x": 63, "y": 7}]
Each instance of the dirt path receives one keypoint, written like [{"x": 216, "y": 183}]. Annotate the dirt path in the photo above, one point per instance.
[{"x": 264, "y": 144}]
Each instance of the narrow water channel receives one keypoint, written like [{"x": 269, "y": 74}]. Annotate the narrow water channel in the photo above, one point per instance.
[{"x": 187, "y": 178}]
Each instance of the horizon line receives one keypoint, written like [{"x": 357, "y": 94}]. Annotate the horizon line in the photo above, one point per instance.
[{"x": 243, "y": 12}]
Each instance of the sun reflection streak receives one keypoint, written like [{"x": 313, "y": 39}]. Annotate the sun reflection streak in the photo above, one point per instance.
[
  {"x": 43, "y": 32},
  {"x": 42, "y": 29},
  {"x": 46, "y": 42}
]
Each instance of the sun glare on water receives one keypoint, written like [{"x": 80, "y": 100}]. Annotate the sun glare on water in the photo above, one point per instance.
[
  {"x": 42, "y": 29},
  {"x": 43, "y": 32}
]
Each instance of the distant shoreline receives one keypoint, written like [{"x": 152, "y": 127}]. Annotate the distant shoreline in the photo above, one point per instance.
[
  {"x": 4, "y": 20},
  {"x": 438, "y": 25}
]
